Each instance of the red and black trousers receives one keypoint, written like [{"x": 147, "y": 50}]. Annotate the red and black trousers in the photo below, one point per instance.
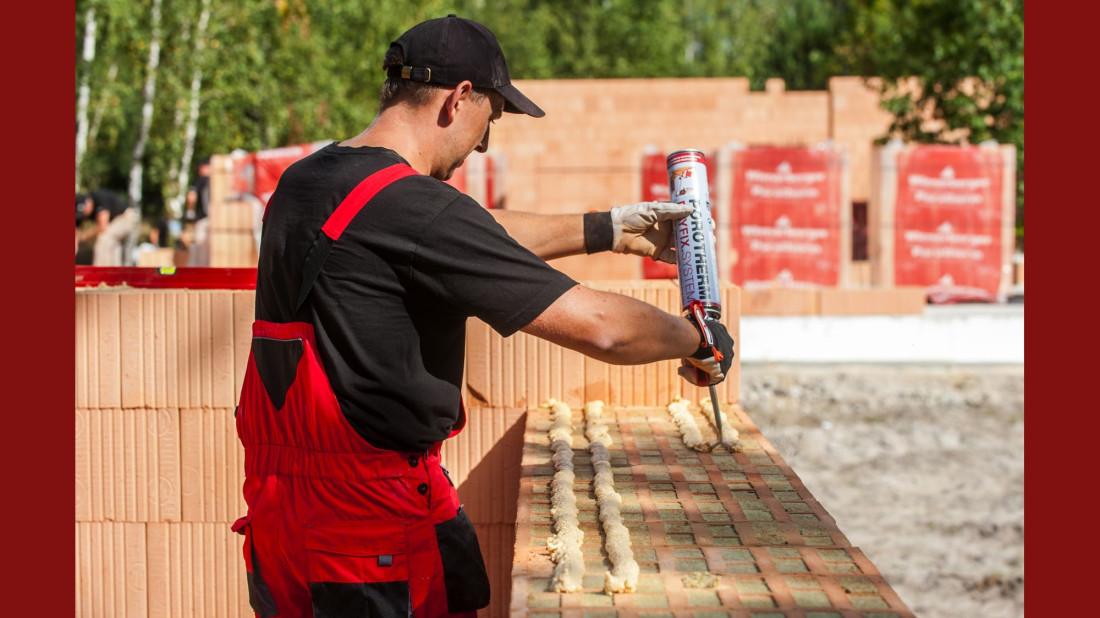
[{"x": 336, "y": 527}]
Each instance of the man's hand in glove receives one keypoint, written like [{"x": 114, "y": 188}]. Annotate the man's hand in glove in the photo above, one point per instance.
[
  {"x": 647, "y": 229},
  {"x": 712, "y": 360}
]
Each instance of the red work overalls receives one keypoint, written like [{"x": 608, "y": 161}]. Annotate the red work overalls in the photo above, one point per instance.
[{"x": 336, "y": 527}]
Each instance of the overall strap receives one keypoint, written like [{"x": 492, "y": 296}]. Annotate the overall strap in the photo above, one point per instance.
[{"x": 339, "y": 220}]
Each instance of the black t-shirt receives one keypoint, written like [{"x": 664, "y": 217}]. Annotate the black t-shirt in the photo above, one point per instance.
[
  {"x": 389, "y": 307},
  {"x": 80, "y": 216},
  {"x": 109, "y": 201}
]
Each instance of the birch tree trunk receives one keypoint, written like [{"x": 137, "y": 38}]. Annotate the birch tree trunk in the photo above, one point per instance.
[
  {"x": 175, "y": 205},
  {"x": 85, "y": 92},
  {"x": 101, "y": 101},
  {"x": 136, "y": 166}
]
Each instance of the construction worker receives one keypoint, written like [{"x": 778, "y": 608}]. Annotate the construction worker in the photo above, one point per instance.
[
  {"x": 369, "y": 268},
  {"x": 114, "y": 218},
  {"x": 197, "y": 213}
]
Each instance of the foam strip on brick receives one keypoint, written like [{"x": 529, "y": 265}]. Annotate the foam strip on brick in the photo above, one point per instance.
[
  {"x": 729, "y": 432},
  {"x": 565, "y": 542},
  {"x": 685, "y": 422},
  {"x": 623, "y": 576}
]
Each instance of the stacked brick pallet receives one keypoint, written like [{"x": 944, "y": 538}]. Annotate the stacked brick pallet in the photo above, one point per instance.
[
  {"x": 714, "y": 533},
  {"x": 232, "y": 234},
  {"x": 969, "y": 213},
  {"x": 234, "y": 222}
]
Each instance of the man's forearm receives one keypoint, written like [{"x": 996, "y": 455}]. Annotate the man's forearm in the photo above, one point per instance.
[
  {"x": 614, "y": 328},
  {"x": 547, "y": 236},
  {"x": 644, "y": 229}
]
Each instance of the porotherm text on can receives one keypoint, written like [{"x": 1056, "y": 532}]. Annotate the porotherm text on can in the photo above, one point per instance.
[{"x": 695, "y": 256}]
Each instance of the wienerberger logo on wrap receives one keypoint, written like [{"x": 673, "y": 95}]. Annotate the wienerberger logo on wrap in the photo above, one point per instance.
[
  {"x": 787, "y": 208},
  {"x": 948, "y": 222}
]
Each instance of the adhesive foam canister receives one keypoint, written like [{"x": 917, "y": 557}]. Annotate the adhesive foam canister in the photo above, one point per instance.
[{"x": 697, "y": 262}]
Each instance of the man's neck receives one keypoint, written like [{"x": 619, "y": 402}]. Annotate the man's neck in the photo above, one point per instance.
[{"x": 396, "y": 130}]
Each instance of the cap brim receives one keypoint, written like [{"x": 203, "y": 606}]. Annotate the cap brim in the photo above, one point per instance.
[{"x": 516, "y": 103}]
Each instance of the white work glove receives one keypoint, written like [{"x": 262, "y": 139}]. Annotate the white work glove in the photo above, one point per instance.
[
  {"x": 701, "y": 372},
  {"x": 647, "y": 229}
]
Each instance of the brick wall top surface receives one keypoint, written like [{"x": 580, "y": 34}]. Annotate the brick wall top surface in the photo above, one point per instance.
[{"x": 744, "y": 517}]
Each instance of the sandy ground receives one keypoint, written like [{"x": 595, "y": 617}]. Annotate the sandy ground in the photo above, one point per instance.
[{"x": 922, "y": 466}]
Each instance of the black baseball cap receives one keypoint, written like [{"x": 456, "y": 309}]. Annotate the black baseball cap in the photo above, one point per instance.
[{"x": 448, "y": 50}]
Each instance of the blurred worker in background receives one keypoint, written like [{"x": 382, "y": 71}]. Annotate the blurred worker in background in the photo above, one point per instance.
[
  {"x": 114, "y": 220},
  {"x": 82, "y": 213},
  {"x": 158, "y": 239},
  {"x": 369, "y": 268},
  {"x": 196, "y": 212}
]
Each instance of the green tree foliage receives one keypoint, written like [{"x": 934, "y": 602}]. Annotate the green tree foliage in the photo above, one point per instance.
[
  {"x": 967, "y": 57},
  {"x": 281, "y": 72},
  {"x": 757, "y": 39},
  {"x": 116, "y": 81},
  {"x": 803, "y": 49}
]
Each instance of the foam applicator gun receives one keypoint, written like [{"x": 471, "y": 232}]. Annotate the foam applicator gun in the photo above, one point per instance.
[{"x": 700, "y": 295}]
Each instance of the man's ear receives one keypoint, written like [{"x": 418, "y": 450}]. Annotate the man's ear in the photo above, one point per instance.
[
  {"x": 456, "y": 98},
  {"x": 449, "y": 107}
]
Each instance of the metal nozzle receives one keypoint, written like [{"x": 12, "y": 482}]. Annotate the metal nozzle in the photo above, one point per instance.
[{"x": 718, "y": 423}]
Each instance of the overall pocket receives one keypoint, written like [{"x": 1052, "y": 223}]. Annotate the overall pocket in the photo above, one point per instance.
[
  {"x": 464, "y": 573},
  {"x": 359, "y": 569},
  {"x": 259, "y": 595}
]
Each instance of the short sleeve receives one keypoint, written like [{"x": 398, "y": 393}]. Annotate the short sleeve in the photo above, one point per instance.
[{"x": 466, "y": 259}]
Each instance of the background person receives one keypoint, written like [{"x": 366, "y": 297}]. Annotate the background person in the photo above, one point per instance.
[
  {"x": 114, "y": 221},
  {"x": 197, "y": 211},
  {"x": 83, "y": 211},
  {"x": 158, "y": 239}
]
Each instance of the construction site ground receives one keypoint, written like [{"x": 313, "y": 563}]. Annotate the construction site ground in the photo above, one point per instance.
[{"x": 921, "y": 465}]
